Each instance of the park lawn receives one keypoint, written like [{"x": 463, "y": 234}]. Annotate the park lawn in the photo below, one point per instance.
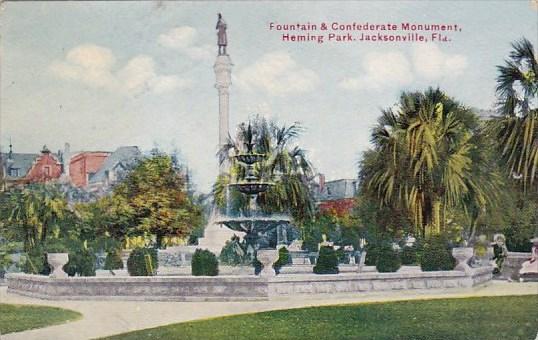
[
  {"x": 16, "y": 318},
  {"x": 484, "y": 318}
]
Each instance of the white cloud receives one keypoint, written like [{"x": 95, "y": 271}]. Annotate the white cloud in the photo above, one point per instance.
[
  {"x": 381, "y": 70},
  {"x": 183, "y": 39},
  {"x": 93, "y": 65},
  {"x": 278, "y": 74},
  {"x": 395, "y": 69},
  {"x": 431, "y": 63}
]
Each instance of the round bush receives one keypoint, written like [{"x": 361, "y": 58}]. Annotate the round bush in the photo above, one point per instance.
[
  {"x": 284, "y": 258},
  {"x": 81, "y": 262},
  {"x": 436, "y": 255},
  {"x": 388, "y": 259},
  {"x": 204, "y": 263},
  {"x": 372, "y": 251},
  {"x": 143, "y": 262},
  {"x": 327, "y": 261},
  {"x": 113, "y": 260}
]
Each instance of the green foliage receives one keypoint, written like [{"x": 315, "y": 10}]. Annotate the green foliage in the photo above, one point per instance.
[
  {"x": 204, "y": 263},
  {"x": 409, "y": 255},
  {"x": 234, "y": 253},
  {"x": 436, "y": 255},
  {"x": 36, "y": 262},
  {"x": 143, "y": 262},
  {"x": 422, "y": 162},
  {"x": 31, "y": 214},
  {"x": 518, "y": 239},
  {"x": 327, "y": 262},
  {"x": 284, "y": 259},
  {"x": 516, "y": 129},
  {"x": 388, "y": 259},
  {"x": 113, "y": 260},
  {"x": 156, "y": 194},
  {"x": 54, "y": 245},
  {"x": 81, "y": 262}
]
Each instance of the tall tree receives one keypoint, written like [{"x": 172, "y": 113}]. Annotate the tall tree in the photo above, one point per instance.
[
  {"x": 33, "y": 213},
  {"x": 157, "y": 196},
  {"x": 516, "y": 127},
  {"x": 285, "y": 164},
  {"x": 422, "y": 158}
]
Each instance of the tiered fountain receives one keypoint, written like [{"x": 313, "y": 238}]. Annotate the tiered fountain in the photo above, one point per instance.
[{"x": 253, "y": 221}]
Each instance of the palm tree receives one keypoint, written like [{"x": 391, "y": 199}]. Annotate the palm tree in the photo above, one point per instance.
[
  {"x": 516, "y": 127},
  {"x": 422, "y": 159},
  {"x": 285, "y": 164},
  {"x": 34, "y": 213}
]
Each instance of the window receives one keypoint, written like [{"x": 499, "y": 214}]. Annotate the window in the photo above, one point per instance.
[
  {"x": 14, "y": 172},
  {"x": 46, "y": 170}
]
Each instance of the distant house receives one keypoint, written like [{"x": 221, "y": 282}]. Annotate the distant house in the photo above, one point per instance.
[
  {"x": 45, "y": 167},
  {"x": 84, "y": 165},
  {"x": 335, "y": 196},
  {"x": 24, "y": 168},
  {"x": 114, "y": 168},
  {"x": 15, "y": 166}
]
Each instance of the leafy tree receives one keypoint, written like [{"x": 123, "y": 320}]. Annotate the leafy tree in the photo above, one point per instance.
[
  {"x": 516, "y": 127},
  {"x": 32, "y": 214},
  {"x": 156, "y": 194}
]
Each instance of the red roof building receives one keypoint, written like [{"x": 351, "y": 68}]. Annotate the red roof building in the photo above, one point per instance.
[
  {"x": 84, "y": 165},
  {"x": 45, "y": 167}
]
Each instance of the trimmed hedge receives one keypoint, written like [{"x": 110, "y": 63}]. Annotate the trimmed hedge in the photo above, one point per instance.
[
  {"x": 204, "y": 263},
  {"x": 327, "y": 261},
  {"x": 143, "y": 262},
  {"x": 436, "y": 255},
  {"x": 284, "y": 258},
  {"x": 388, "y": 259},
  {"x": 113, "y": 260}
]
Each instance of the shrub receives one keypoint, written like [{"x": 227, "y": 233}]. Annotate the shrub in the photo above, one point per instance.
[
  {"x": 284, "y": 258},
  {"x": 388, "y": 259},
  {"x": 81, "y": 262},
  {"x": 436, "y": 255},
  {"x": 143, "y": 262},
  {"x": 113, "y": 260},
  {"x": 204, "y": 263},
  {"x": 55, "y": 246},
  {"x": 372, "y": 251},
  {"x": 409, "y": 255},
  {"x": 327, "y": 261},
  {"x": 518, "y": 239},
  {"x": 36, "y": 262}
]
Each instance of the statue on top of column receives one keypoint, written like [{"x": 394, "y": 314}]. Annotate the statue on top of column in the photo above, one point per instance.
[{"x": 222, "y": 40}]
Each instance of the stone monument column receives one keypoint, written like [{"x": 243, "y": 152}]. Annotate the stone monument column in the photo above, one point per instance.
[{"x": 223, "y": 72}]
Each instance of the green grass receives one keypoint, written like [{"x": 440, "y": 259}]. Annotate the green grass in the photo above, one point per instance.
[
  {"x": 485, "y": 318},
  {"x": 16, "y": 318}
]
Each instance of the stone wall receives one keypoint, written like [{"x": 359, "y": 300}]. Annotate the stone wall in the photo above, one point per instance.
[{"x": 234, "y": 288}]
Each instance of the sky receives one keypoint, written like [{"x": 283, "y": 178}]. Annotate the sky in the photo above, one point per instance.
[{"x": 100, "y": 75}]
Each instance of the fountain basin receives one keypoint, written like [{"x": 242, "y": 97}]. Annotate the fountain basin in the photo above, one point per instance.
[
  {"x": 250, "y": 158},
  {"x": 254, "y": 224},
  {"x": 251, "y": 188}
]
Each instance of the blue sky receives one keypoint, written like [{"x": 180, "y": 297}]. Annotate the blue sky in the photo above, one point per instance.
[{"x": 104, "y": 74}]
